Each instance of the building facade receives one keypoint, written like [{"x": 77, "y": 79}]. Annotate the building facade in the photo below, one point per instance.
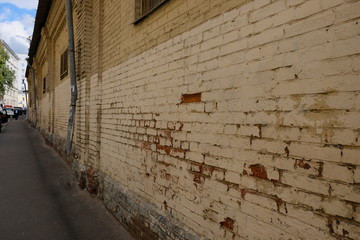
[
  {"x": 234, "y": 119},
  {"x": 11, "y": 97},
  {"x": 11, "y": 94}
]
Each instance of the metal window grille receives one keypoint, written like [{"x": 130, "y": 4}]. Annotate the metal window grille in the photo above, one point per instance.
[
  {"x": 145, "y": 7},
  {"x": 64, "y": 64},
  {"x": 44, "y": 84}
]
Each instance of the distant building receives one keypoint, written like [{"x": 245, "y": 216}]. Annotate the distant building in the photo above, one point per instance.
[
  {"x": 11, "y": 97},
  {"x": 198, "y": 119},
  {"x": 21, "y": 99},
  {"x": 11, "y": 94},
  {"x": 22, "y": 82}
]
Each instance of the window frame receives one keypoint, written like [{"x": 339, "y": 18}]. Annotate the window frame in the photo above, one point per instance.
[
  {"x": 64, "y": 64},
  {"x": 140, "y": 14},
  {"x": 44, "y": 85}
]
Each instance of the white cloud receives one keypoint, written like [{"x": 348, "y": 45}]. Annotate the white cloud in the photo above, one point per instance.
[
  {"x": 27, "y": 4},
  {"x": 15, "y": 33},
  {"x": 6, "y": 12}
]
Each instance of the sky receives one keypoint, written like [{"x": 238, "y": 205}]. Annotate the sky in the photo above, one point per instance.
[{"x": 16, "y": 23}]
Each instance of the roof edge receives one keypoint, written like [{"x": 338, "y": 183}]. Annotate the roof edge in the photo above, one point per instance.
[{"x": 40, "y": 20}]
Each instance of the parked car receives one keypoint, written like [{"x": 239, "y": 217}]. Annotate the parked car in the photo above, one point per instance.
[
  {"x": 19, "y": 109},
  {"x": 17, "y": 112},
  {"x": 3, "y": 115},
  {"x": 9, "y": 112}
]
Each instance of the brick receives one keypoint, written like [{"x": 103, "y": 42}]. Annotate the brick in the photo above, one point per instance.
[
  {"x": 266, "y": 11},
  {"x": 347, "y": 12},
  {"x": 302, "y": 182},
  {"x": 309, "y": 24},
  {"x": 302, "y": 214},
  {"x": 346, "y": 229},
  {"x": 277, "y": 220},
  {"x": 331, "y": 3},
  {"x": 308, "y": 8},
  {"x": 260, "y": 3},
  {"x": 335, "y": 207},
  {"x": 233, "y": 177},
  {"x": 266, "y": 36},
  {"x": 350, "y": 156},
  {"x": 345, "y": 192},
  {"x": 339, "y": 172},
  {"x": 292, "y": 3},
  {"x": 264, "y": 201},
  {"x": 332, "y": 154}
]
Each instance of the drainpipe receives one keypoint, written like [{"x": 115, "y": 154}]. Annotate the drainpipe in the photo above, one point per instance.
[
  {"x": 71, "y": 123},
  {"x": 26, "y": 100},
  {"x": 34, "y": 91}
]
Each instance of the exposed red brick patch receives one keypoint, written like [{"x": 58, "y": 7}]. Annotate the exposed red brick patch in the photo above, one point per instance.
[
  {"x": 195, "y": 167},
  {"x": 203, "y": 169},
  {"x": 287, "y": 151},
  {"x": 206, "y": 170},
  {"x": 303, "y": 165},
  {"x": 167, "y": 133},
  {"x": 164, "y": 148},
  {"x": 191, "y": 98},
  {"x": 198, "y": 178},
  {"x": 258, "y": 171},
  {"x": 168, "y": 150},
  {"x": 228, "y": 223},
  {"x": 165, "y": 175},
  {"x": 168, "y": 176},
  {"x": 178, "y": 150},
  {"x": 92, "y": 178},
  {"x": 145, "y": 145},
  {"x": 243, "y": 192},
  {"x": 164, "y": 163}
]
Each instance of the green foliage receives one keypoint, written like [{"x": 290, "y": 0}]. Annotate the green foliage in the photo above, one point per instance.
[{"x": 7, "y": 76}]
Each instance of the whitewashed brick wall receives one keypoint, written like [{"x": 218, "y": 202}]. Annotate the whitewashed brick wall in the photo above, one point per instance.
[{"x": 272, "y": 149}]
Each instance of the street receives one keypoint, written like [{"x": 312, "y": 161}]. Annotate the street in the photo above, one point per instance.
[{"x": 38, "y": 197}]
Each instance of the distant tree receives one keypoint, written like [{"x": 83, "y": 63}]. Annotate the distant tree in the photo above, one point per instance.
[{"x": 7, "y": 76}]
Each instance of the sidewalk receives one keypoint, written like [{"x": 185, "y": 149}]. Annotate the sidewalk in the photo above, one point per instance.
[{"x": 38, "y": 198}]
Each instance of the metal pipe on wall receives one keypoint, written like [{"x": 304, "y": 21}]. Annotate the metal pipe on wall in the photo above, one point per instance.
[
  {"x": 26, "y": 100},
  {"x": 71, "y": 123},
  {"x": 33, "y": 71}
]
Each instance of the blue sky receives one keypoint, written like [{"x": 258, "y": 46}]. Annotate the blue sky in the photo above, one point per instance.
[{"x": 17, "y": 22}]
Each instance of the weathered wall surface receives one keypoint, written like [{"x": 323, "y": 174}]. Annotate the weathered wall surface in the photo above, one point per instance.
[
  {"x": 269, "y": 147},
  {"x": 50, "y": 114},
  {"x": 243, "y": 124}
]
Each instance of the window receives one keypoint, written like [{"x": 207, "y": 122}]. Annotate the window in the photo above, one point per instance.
[
  {"x": 143, "y": 8},
  {"x": 64, "y": 64},
  {"x": 44, "y": 85}
]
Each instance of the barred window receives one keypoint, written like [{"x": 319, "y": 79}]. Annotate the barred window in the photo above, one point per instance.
[
  {"x": 64, "y": 64},
  {"x": 44, "y": 84},
  {"x": 143, "y": 8}
]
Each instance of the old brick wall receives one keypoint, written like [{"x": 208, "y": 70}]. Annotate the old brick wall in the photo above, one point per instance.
[
  {"x": 228, "y": 120},
  {"x": 52, "y": 108},
  {"x": 267, "y": 148}
]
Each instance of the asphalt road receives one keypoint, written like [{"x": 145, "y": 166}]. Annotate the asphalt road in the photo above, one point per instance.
[{"x": 38, "y": 198}]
